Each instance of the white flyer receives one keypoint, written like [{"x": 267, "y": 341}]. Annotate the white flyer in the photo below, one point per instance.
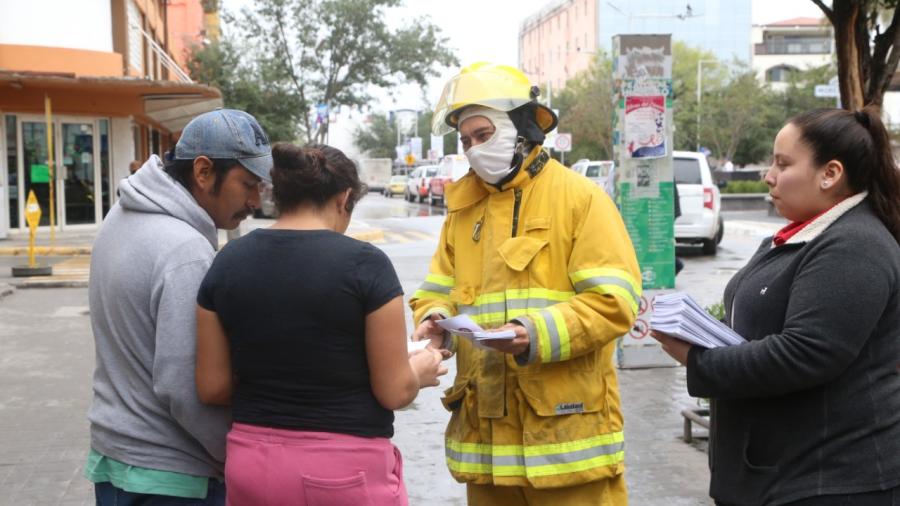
[
  {"x": 462, "y": 325},
  {"x": 412, "y": 346}
]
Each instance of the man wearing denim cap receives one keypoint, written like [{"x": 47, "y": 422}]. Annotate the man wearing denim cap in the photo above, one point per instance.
[{"x": 152, "y": 442}]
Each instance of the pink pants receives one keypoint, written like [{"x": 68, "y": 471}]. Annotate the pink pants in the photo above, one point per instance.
[{"x": 278, "y": 467}]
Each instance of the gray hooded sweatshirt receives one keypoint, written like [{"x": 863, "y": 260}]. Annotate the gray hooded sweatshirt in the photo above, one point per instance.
[{"x": 148, "y": 260}]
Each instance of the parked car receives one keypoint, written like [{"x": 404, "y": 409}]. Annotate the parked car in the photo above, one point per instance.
[
  {"x": 266, "y": 204},
  {"x": 452, "y": 168},
  {"x": 601, "y": 172},
  {"x": 417, "y": 184},
  {"x": 396, "y": 186},
  {"x": 701, "y": 205}
]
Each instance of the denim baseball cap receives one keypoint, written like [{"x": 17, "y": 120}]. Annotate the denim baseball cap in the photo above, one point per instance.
[{"x": 227, "y": 133}]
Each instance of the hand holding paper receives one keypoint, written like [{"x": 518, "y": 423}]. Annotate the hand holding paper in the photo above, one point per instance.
[{"x": 678, "y": 315}]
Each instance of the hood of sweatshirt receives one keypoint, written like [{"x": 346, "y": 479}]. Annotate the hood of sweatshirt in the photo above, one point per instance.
[{"x": 151, "y": 190}]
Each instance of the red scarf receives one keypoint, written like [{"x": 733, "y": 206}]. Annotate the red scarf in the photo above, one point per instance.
[{"x": 794, "y": 228}]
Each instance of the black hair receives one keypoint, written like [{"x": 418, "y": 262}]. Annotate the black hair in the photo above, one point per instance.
[
  {"x": 183, "y": 170},
  {"x": 312, "y": 174},
  {"x": 861, "y": 143}
]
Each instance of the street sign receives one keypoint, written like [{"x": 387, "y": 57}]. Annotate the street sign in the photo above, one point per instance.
[
  {"x": 563, "y": 142},
  {"x": 827, "y": 91},
  {"x": 410, "y": 159},
  {"x": 32, "y": 211},
  {"x": 33, "y": 217}
]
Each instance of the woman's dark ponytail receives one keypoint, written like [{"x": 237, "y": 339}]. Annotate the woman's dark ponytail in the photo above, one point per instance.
[{"x": 884, "y": 185}]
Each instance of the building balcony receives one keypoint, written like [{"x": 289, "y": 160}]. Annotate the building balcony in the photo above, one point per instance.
[{"x": 791, "y": 48}]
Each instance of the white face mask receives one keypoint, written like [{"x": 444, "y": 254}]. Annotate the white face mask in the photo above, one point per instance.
[{"x": 492, "y": 160}]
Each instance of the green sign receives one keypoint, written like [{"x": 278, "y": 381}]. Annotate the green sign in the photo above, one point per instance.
[
  {"x": 40, "y": 173},
  {"x": 649, "y": 223}
]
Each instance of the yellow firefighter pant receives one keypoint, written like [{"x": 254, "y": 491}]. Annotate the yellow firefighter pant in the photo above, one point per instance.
[{"x": 608, "y": 492}]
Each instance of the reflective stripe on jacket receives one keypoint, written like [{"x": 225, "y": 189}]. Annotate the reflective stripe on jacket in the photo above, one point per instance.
[{"x": 549, "y": 251}]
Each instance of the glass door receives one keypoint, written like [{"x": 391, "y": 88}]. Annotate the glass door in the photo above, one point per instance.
[
  {"x": 77, "y": 172},
  {"x": 36, "y": 173}
]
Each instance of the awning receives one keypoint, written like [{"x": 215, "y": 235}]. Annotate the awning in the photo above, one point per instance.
[{"x": 167, "y": 104}]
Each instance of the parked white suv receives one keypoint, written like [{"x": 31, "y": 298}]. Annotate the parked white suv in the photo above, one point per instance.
[
  {"x": 701, "y": 205},
  {"x": 601, "y": 172}
]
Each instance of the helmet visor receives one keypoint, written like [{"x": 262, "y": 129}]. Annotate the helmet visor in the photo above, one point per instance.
[{"x": 491, "y": 88}]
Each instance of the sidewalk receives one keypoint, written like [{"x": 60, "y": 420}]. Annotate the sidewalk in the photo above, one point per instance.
[
  {"x": 78, "y": 242},
  {"x": 70, "y": 254}
]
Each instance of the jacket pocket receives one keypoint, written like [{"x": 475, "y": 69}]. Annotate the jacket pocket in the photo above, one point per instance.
[
  {"x": 518, "y": 252},
  {"x": 557, "y": 392},
  {"x": 460, "y": 400},
  {"x": 348, "y": 491},
  {"x": 758, "y": 455},
  {"x": 537, "y": 227}
]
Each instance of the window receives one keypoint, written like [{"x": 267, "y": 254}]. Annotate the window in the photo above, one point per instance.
[
  {"x": 798, "y": 44},
  {"x": 135, "y": 38},
  {"x": 779, "y": 74},
  {"x": 12, "y": 172},
  {"x": 687, "y": 171},
  {"x": 106, "y": 197}
]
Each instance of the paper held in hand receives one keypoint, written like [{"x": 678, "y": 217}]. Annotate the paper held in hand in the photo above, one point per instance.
[
  {"x": 412, "y": 346},
  {"x": 462, "y": 325},
  {"x": 678, "y": 315}
]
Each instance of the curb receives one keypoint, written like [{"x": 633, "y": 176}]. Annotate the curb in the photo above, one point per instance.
[
  {"x": 374, "y": 235},
  {"x": 6, "y": 290},
  {"x": 45, "y": 251},
  {"x": 52, "y": 283},
  {"x": 752, "y": 228}
]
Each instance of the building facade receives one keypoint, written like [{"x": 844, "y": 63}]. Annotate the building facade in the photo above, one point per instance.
[
  {"x": 787, "y": 46},
  {"x": 104, "y": 74},
  {"x": 561, "y": 39}
]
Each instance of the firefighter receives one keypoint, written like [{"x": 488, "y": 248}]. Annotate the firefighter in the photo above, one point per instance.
[{"x": 533, "y": 247}]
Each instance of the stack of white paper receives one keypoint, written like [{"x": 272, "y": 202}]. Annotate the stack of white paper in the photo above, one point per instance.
[
  {"x": 678, "y": 315},
  {"x": 462, "y": 325}
]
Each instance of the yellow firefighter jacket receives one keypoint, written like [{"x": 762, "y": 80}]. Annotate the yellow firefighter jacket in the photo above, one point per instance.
[{"x": 549, "y": 251}]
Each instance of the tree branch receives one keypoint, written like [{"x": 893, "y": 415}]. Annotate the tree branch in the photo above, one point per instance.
[
  {"x": 828, "y": 12},
  {"x": 884, "y": 60},
  {"x": 279, "y": 21}
]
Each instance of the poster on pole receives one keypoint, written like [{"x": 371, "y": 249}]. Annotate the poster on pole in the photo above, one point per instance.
[{"x": 645, "y": 126}]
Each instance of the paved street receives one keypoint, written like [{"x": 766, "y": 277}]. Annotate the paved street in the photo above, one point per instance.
[{"x": 46, "y": 362}]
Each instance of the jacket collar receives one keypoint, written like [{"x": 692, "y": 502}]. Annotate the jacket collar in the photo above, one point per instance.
[
  {"x": 471, "y": 189},
  {"x": 818, "y": 225}
]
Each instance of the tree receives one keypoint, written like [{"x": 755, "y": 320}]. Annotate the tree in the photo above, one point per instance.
[
  {"x": 247, "y": 87},
  {"x": 378, "y": 138},
  {"x": 332, "y": 52},
  {"x": 685, "y": 61},
  {"x": 585, "y": 110},
  {"x": 866, "y": 56},
  {"x": 735, "y": 114}
]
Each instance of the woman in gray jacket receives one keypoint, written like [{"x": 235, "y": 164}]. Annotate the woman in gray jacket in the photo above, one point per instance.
[{"x": 807, "y": 412}]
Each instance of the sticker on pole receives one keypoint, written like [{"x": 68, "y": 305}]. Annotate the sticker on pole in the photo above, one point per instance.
[
  {"x": 645, "y": 126},
  {"x": 640, "y": 330},
  {"x": 563, "y": 143},
  {"x": 32, "y": 211}
]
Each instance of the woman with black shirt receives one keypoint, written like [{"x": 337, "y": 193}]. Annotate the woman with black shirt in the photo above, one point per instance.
[
  {"x": 301, "y": 329},
  {"x": 807, "y": 411}
]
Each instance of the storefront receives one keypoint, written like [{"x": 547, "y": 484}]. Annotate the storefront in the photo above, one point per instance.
[{"x": 99, "y": 125}]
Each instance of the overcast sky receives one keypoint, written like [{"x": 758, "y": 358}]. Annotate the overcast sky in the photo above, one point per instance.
[{"x": 475, "y": 29}]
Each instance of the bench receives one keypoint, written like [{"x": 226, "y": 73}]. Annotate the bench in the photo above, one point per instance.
[{"x": 700, "y": 416}]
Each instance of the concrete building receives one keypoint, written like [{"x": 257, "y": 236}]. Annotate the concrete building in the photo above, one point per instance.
[
  {"x": 561, "y": 39},
  {"x": 790, "y": 45},
  {"x": 116, "y": 89}
]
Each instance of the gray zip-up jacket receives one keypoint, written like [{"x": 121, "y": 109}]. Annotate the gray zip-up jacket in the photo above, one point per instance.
[
  {"x": 810, "y": 405},
  {"x": 148, "y": 260}
]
